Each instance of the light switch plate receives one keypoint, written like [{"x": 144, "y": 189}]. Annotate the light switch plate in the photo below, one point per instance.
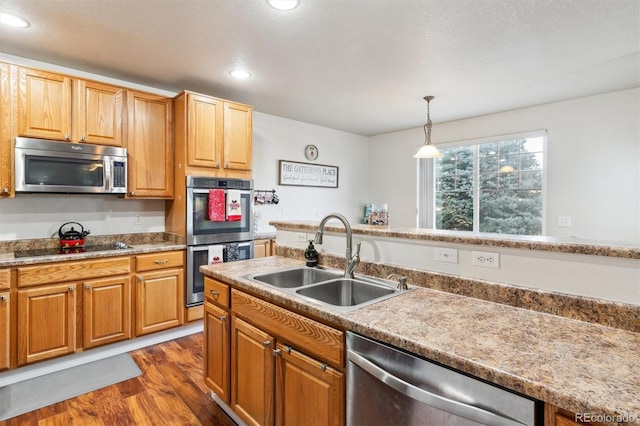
[{"x": 447, "y": 255}]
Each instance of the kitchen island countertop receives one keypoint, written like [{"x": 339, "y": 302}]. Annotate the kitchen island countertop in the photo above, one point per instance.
[{"x": 575, "y": 365}]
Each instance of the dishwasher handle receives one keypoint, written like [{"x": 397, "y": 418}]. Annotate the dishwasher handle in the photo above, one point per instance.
[{"x": 440, "y": 402}]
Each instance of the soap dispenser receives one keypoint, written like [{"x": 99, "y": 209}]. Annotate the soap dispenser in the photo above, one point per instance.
[{"x": 311, "y": 255}]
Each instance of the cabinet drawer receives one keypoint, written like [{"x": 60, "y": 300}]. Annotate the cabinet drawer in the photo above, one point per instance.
[
  {"x": 5, "y": 278},
  {"x": 166, "y": 259},
  {"x": 216, "y": 292},
  {"x": 306, "y": 335},
  {"x": 73, "y": 271}
]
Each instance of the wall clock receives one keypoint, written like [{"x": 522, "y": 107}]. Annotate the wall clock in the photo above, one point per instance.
[{"x": 311, "y": 152}]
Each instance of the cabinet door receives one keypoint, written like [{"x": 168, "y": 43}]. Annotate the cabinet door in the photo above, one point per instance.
[
  {"x": 206, "y": 132},
  {"x": 252, "y": 373},
  {"x": 307, "y": 391},
  {"x": 44, "y": 105},
  {"x": 238, "y": 136},
  {"x": 159, "y": 301},
  {"x": 98, "y": 113},
  {"x": 106, "y": 309},
  {"x": 149, "y": 146},
  {"x": 5, "y": 303},
  {"x": 6, "y": 142},
  {"x": 46, "y": 322},
  {"x": 261, "y": 248},
  {"x": 217, "y": 350}
]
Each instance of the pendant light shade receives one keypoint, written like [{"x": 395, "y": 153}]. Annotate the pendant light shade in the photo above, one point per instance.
[{"x": 427, "y": 150}]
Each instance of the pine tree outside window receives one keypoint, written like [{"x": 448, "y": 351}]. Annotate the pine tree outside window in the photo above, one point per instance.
[{"x": 491, "y": 185}]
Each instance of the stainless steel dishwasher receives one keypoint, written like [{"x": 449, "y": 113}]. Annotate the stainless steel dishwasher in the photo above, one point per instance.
[{"x": 387, "y": 386}]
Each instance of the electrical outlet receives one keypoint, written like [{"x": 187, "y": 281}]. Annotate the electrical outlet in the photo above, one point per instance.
[
  {"x": 486, "y": 259},
  {"x": 137, "y": 219},
  {"x": 301, "y": 237},
  {"x": 447, "y": 255},
  {"x": 564, "y": 221}
]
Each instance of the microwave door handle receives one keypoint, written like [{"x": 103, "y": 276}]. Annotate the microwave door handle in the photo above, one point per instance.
[{"x": 108, "y": 164}]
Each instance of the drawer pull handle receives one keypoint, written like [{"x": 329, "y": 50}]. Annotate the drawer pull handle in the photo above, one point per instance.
[
  {"x": 88, "y": 286},
  {"x": 223, "y": 318},
  {"x": 4, "y": 297},
  {"x": 72, "y": 288},
  {"x": 276, "y": 352},
  {"x": 160, "y": 262},
  {"x": 215, "y": 293},
  {"x": 266, "y": 343}
]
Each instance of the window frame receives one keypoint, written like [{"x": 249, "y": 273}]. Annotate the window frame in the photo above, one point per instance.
[{"x": 426, "y": 200}]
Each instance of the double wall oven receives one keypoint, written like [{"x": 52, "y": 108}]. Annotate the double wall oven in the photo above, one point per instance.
[{"x": 222, "y": 238}]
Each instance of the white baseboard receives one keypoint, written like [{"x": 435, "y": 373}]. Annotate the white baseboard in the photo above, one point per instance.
[
  {"x": 227, "y": 410},
  {"x": 67, "y": 361}
]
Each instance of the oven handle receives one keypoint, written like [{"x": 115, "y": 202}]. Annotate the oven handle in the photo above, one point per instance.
[{"x": 432, "y": 399}]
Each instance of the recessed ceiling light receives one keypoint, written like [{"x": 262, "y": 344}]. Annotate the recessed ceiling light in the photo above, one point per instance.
[
  {"x": 240, "y": 74},
  {"x": 283, "y": 4},
  {"x": 13, "y": 20}
]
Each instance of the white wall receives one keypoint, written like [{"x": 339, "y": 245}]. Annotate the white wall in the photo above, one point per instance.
[
  {"x": 39, "y": 216},
  {"x": 593, "y": 163},
  {"x": 276, "y": 138}
]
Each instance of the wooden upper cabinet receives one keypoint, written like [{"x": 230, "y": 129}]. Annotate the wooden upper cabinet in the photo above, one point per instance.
[
  {"x": 98, "y": 110},
  {"x": 56, "y": 106},
  {"x": 213, "y": 137},
  {"x": 6, "y": 141},
  {"x": 206, "y": 132},
  {"x": 44, "y": 104},
  {"x": 149, "y": 146},
  {"x": 238, "y": 136}
]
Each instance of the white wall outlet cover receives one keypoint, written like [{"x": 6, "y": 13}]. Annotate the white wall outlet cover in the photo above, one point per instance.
[
  {"x": 564, "y": 221},
  {"x": 486, "y": 259}
]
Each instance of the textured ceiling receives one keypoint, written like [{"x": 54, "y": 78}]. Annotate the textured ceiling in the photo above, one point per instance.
[{"x": 361, "y": 66}]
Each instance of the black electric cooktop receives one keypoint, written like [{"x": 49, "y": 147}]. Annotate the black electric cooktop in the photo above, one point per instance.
[{"x": 66, "y": 251}]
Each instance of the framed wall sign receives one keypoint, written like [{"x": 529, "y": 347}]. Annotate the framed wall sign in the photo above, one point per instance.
[{"x": 294, "y": 173}]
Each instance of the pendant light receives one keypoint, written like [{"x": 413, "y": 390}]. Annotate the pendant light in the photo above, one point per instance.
[{"x": 428, "y": 150}]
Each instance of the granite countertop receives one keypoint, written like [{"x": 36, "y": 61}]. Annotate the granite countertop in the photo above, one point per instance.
[
  {"x": 8, "y": 259},
  {"x": 566, "y": 245},
  {"x": 575, "y": 365}
]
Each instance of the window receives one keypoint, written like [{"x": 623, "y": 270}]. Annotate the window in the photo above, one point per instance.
[{"x": 491, "y": 185}]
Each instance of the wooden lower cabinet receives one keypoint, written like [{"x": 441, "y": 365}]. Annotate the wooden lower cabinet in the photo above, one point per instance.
[
  {"x": 5, "y": 336},
  {"x": 252, "y": 373},
  {"x": 263, "y": 248},
  {"x": 284, "y": 368},
  {"x": 216, "y": 335},
  {"x": 554, "y": 416},
  {"x": 308, "y": 392},
  {"x": 159, "y": 300},
  {"x": 106, "y": 311},
  {"x": 46, "y": 322}
]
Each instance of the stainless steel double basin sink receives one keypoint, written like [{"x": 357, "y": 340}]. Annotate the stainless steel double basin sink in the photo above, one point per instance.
[{"x": 329, "y": 286}]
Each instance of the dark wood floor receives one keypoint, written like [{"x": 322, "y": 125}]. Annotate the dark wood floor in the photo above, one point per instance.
[{"x": 170, "y": 391}]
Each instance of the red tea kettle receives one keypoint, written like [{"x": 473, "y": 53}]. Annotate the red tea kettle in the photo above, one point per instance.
[{"x": 72, "y": 238}]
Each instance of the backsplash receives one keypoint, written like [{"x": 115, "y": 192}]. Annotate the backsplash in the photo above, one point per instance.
[{"x": 598, "y": 311}]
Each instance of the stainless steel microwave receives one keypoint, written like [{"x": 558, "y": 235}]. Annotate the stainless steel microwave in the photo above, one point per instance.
[{"x": 65, "y": 167}]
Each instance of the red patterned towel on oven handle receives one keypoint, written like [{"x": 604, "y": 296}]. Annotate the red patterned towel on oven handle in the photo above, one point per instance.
[{"x": 217, "y": 205}]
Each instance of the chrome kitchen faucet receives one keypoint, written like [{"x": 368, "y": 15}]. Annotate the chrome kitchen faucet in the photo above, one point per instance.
[{"x": 350, "y": 264}]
